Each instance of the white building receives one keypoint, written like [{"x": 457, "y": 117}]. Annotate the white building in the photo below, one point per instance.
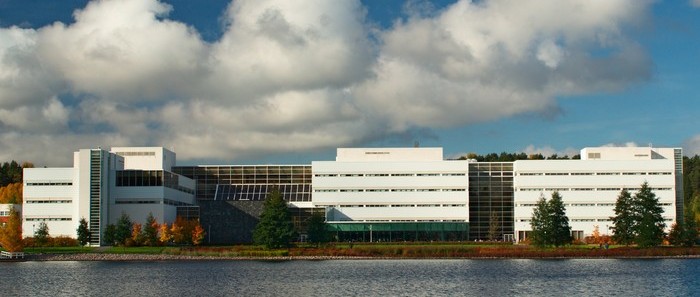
[
  {"x": 589, "y": 187},
  {"x": 100, "y": 186},
  {"x": 393, "y": 190}
]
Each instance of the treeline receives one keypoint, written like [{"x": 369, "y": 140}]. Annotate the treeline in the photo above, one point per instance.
[
  {"x": 11, "y": 182},
  {"x": 510, "y": 157},
  {"x": 691, "y": 184}
]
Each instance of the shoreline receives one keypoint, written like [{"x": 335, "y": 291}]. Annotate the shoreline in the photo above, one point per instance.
[{"x": 165, "y": 257}]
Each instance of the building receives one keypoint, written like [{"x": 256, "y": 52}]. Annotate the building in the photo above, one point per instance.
[
  {"x": 5, "y": 212},
  {"x": 366, "y": 194},
  {"x": 230, "y": 197},
  {"x": 101, "y": 186},
  {"x": 393, "y": 194},
  {"x": 589, "y": 187}
]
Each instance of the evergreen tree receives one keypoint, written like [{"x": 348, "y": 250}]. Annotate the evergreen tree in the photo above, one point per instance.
[
  {"x": 83, "y": 232},
  {"x": 317, "y": 229},
  {"x": 685, "y": 233},
  {"x": 560, "y": 229},
  {"x": 275, "y": 228},
  {"x": 150, "y": 231},
  {"x": 625, "y": 219},
  {"x": 110, "y": 235},
  {"x": 41, "y": 234},
  {"x": 650, "y": 227},
  {"x": 541, "y": 220},
  {"x": 123, "y": 229}
]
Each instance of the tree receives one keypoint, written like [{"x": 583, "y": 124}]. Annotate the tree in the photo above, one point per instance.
[
  {"x": 11, "y": 233},
  {"x": 540, "y": 223},
  {"x": 560, "y": 229},
  {"x": 176, "y": 231},
  {"x": 494, "y": 226},
  {"x": 41, "y": 234},
  {"x": 198, "y": 234},
  {"x": 110, "y": 235},
  {"x": 150, "y": 231},
  {"x": 83, "y": 232},
  {"x": 136, "y": 235},
  {"x": 317, "y": 229},
  {"x": 275, "y": 229},
  {"x": 11, "y": 193},
  {"x": 685, "y": 233},
  {"x": 650, "y": 227},
  {"x": 164, "y": 234},
  {"x": 550, "y": 225},
  {"x": 625, "y": 219},
  {"x": 123, "y": 231}
]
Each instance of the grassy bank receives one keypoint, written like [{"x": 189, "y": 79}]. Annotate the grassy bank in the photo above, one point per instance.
[{"x": 428, "y": 250}]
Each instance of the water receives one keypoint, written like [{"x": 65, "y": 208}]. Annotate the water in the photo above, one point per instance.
[{"x": 584, "y": 277}]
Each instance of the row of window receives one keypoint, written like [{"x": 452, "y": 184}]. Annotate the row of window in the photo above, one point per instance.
[
  {"x": 385, "y": 174},
  {"x": 53, "y": 183},
  {"x": 47, "y": 201},
  {"x": 387, "y": 190},
  {"x": 401, "y": 205},
  {"x": 574, "y": 220},
  {"x": 594, "y": 173},
  {"x": 584, "y": 204},
  {"x": 48, "y": 219},
  {"x": 136, "y": 154},
  {"x": 407, "y": 221},
  {"x": 589, "y": 189},
  {"x": 151, "y": 201}
]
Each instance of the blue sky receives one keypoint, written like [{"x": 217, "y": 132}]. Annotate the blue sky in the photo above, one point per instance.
[{"x": 270, "y": 81}]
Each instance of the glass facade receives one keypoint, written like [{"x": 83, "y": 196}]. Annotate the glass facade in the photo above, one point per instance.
[
  {"x": 393, "y": 232},
  {"x": 249, "y": 182},
  {"x": 490, "y": 192},
  {"x": 150, "y": 178}
]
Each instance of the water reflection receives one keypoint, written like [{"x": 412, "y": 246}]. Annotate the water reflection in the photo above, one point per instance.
[{"x": 584, "y": 277}]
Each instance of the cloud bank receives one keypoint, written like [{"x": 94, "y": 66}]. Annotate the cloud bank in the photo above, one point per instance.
[{"x": 299, "y": 75}]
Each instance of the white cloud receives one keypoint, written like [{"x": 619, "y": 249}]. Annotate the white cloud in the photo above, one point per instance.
[
  {"x": 694, "y": 3},
  {"x": 299, "y": 75}
]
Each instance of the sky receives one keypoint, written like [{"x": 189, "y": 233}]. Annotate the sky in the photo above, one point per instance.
[{"x": 278, "y": 81}]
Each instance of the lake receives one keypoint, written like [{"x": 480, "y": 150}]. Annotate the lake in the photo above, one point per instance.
[{"x": 575, "y": 277}]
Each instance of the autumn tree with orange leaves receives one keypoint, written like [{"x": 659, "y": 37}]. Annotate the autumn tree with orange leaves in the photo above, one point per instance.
[{"x": 11, "y": 233}]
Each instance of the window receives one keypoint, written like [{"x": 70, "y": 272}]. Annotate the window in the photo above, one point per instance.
[{"x": 593, "y": 155}]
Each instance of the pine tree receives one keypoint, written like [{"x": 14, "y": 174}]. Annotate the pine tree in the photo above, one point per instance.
[
  {"x": 684, "y": 233},
  {"x": 83, "y": 232},
  {"x": 560, "y": 229},
  {"x": 110, "y": 235},
  {"x": 650, "y": 227},
  {"x": 123, "y": 231},
  {"x": 540, "y": 224},
  {"x": 275, "y": 228},
  {"x": 11, "y": 233},
  {"x": 625, "y": 219},
  {"x": 150, "y": 231},
  {"x": 317, "y": 229}
]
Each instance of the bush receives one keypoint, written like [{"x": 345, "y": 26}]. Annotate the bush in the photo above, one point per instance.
[{"x": 63, "y": 241}]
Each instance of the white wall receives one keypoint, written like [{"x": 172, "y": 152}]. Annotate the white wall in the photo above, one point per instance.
[
  {"x": 589, "y": 188},
  {"x": 50, "y": 203},
  {"x": 389, "y": 154},
  {"x": 395, "y": 191},
  {"x": 155, "y": 158}
]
